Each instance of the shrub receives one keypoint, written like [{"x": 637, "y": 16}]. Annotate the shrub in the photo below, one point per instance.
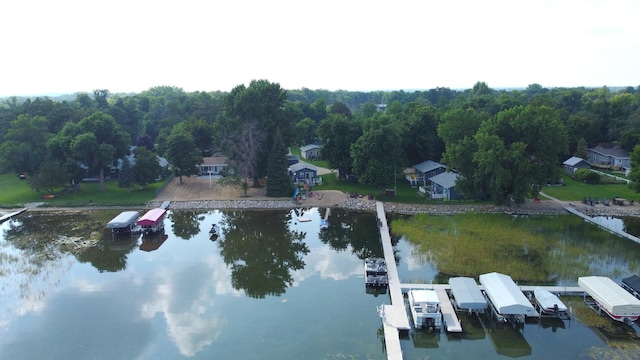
[{"x": 587, "y": 176}]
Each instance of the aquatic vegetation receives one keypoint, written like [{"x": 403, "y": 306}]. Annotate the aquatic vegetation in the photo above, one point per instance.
[{"x": 535, "y": 249}]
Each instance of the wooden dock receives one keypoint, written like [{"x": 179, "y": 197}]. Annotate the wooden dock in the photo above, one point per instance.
[
  {"x": 602, "y": 226},
  {"x": 165, "y": 205},
  {"x": 394, "y": 316},
  {"x": 451, "y": 321}
]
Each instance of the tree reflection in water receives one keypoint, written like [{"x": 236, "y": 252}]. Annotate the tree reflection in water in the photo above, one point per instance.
[
  {"x": 261, "y": 250},
  {"x": 186, "y": 223}
]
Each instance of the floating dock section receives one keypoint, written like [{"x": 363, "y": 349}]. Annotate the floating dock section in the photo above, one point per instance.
[{"x": 451, "y": 321}]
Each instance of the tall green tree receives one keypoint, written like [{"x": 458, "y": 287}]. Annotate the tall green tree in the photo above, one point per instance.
[
  {"x": 338, "y": 133},
  {"x": 182, "y": 153},
  {"x": 99, "y": 142},
  {"x": 634, "y": 162},
  {"x": 146, "y": 168},
  {"x": 253, "y": 113},
  {"x": 376, "y": 154},
  {"x": 23, "y": 148},
  {"x": 278, "y": 180},
  {"x": 125, "y": 176},
  {"x": 514, "y": 154}
]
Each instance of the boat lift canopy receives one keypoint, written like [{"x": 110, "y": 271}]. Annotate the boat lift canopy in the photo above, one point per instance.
[
  {"x": 152, "y": 217},
  {"x": 467, "y": 294},
  {"x": 505, "y": 295},
  {"x": 123, "y": 220},
  {"x": 611, "y": 296}
]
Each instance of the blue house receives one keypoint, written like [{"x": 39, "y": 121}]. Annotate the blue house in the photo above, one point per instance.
[
  {"x": 303, "y": 172},
  {"x": 443, "y": 186},
  {"x": 423, "y": 171}
]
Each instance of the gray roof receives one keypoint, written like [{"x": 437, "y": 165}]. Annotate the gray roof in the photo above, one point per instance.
[
  {"x": 302, "y": 165},
  {"x": 616, "y": 152},
  {"x": 447, "y": 179},
  {"x": 427, "y": 166},
  {"x": 309, "y": 147},
  {"x": 467, "y": 293},
  {"x": 573, "y": 161}
]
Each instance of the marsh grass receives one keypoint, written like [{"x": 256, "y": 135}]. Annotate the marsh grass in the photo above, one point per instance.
[{"x": 532, "y": 250}]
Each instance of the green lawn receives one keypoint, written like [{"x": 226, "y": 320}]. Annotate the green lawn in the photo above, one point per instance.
[
  {"x": 17, "y": 193},
  {"x": 575, "y": 191}
]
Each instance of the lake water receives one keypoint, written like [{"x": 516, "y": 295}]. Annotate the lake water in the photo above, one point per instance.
[{"x": 270, "y": 287}]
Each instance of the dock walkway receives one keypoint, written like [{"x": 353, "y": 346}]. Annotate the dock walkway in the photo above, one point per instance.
[
  {"x": 451, "y": 320},
  {"x": 602, "y": 225},
  {"x": 6, "y": 217},
  {"x": 395, "y": 315}
]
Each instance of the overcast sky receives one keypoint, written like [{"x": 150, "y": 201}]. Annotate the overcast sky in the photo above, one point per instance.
[{"x": 66, "y": 46}]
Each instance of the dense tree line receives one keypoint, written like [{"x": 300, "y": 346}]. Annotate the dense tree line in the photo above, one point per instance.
[{"x": 503, "y": 143}]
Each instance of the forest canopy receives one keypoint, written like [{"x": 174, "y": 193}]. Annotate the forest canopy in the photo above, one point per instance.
[{"x": 503, "y": 143}]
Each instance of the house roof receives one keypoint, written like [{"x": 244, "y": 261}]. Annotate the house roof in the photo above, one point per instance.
[
  {"x": 616, "y": 152},
  {"x": 427, "y": 166},
  {"x": 447, "y": 179},
  {"x": 574, "y": 160},
  {"x": 302, "y": 165},
  {"x": 215, "y": 160},
  {"x": 309, "y": 147}
]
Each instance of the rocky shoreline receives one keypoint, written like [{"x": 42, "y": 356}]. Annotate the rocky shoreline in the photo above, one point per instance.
[{"x": 547, "y": 207}]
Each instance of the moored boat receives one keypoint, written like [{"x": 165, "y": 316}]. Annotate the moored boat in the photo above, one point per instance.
[
  {"x": 375, "y": 272},
  {"x": 425, "y": 309},
  {"x": 549, "y": 304}
]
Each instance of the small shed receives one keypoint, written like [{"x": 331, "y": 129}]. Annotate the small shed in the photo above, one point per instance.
[
  {"x": 303, "y": 172},
  {"x": 443, "y": 186},
  {"x": 574, "y": 163},
  {"x": 311, "y": 151}
]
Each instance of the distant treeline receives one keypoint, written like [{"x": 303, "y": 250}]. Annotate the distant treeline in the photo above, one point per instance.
[{"x": 457, "y": 127}]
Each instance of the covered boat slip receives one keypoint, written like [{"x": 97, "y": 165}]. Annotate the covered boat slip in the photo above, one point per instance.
[
  {"x": 124, "y": 222},
  {"x": 506, "y": 297},
  {"x": 550, "y": 305},
  {"x": 152, "y": 220},
  {"x": 467, "y": 295},
  {"x": 611, "y": 297}
]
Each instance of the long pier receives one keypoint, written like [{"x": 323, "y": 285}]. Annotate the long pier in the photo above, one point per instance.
[
  {"x": 604, "y": 226},
  {"x": 394, "y": 316}
]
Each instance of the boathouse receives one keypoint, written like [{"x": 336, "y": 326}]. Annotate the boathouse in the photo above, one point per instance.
[
  {"x": 467, "y": 295},
  {"x": 152, "y": 220},
  {"x": 507, "y": 300}
]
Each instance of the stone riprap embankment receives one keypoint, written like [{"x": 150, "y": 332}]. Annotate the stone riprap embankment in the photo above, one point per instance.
[{"x": 529, "y": 208}]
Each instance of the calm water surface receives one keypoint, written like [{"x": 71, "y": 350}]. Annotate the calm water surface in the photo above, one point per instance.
[{"x": 270, "y": 287}]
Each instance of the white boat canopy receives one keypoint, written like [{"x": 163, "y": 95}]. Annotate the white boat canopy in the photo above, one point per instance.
[
  {"x": 505, "y": 295},
  {"x": 123, "y": 220},
  {"x": 467, "y": 293},
  {"x": 616, "y": 300}
]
